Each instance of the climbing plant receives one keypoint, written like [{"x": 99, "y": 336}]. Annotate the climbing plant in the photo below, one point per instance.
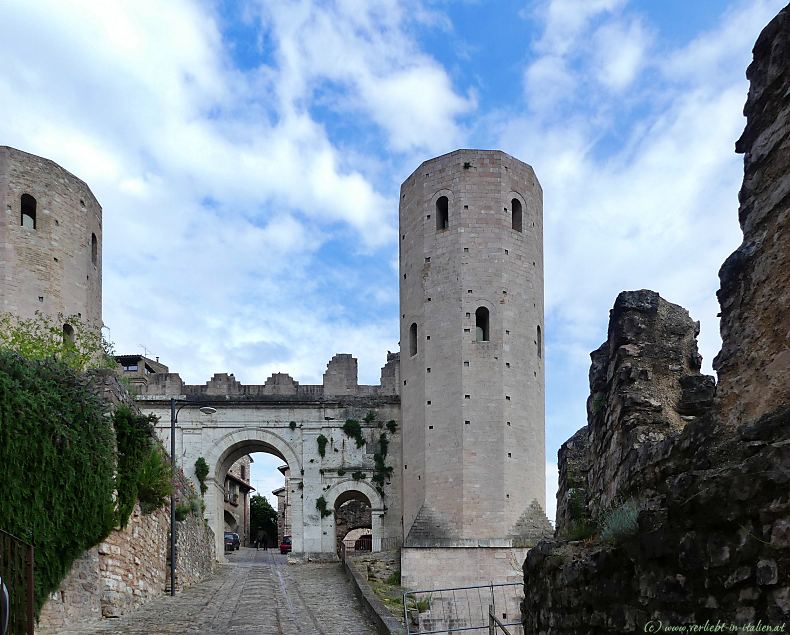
[
  {"x": 56, "y": 464},
  {"x": 201, "y": 471},
  {"x": 381, "y": 472},
  {"x": 322, "y": 441},
  {"x": 134, "y": 435},
  {"x": 353, "y": 430},
  {"x": 320, "y": 505}
]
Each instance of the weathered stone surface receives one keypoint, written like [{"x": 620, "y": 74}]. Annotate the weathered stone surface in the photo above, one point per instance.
[
  {"x": 709, "y": 468},
  {"x": 645, "y": 387},
  {"x": 573, "y": 463},
  {"x": 754, "y": 362}
]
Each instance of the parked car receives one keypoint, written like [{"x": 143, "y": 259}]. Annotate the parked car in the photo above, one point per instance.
[
  {"x": 232, "y": 542},
  {"x": 285, "y": 545}
]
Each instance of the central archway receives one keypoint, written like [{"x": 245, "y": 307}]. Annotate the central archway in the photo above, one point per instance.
[
  {"x": 349, "y": 491},
  {"x": 228, "y": 449}
]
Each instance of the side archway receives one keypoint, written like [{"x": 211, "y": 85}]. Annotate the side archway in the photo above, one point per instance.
[{"x": 349, "y": 490}]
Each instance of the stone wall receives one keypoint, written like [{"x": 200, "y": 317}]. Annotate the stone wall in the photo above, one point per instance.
[
  {"x": 131, "y": 565},
  {"x": 706, "y": 476}
]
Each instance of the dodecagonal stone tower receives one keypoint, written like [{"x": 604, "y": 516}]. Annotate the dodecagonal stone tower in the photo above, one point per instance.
[{"x": 472, "y": 393}]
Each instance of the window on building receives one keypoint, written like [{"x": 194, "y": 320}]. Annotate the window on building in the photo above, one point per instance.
[
  {"x": 243, "y": 473},
  {"x": 515, "y": 209},
  {"x": 28, "y": 211},
  {"x": 481, "y": 324},
  {"x": 413, "y": 339},
  {"x": 94, "y": 249},
  {"x": 442, "y": 213},
  {"x": 130, "y": 368},
  {"x": 540, "y": 343}
]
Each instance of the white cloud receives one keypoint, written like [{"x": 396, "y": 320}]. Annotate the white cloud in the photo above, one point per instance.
[{"x": 620, "y": 49}]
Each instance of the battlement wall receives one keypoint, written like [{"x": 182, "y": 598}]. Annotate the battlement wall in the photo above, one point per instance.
[{"x": 340, "y": 380}]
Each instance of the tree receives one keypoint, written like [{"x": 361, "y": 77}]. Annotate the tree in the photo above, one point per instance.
[
  {"x": 65, "y": 338},
  {"x": 263, "y": 518}
]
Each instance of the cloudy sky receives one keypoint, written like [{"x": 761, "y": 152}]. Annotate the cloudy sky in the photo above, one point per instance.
[{"x": 248, "y": 158}]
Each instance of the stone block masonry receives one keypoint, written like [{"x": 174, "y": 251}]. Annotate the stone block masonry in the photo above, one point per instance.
[{"x": 50, "y": 240}]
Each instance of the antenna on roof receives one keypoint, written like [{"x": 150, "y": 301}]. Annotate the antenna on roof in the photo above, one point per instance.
[{"x": 145, "y": 350}]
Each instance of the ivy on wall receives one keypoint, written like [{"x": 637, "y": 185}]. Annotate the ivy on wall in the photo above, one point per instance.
[
  {"x": 135, "y": 438},
  {"x": 57, "y": 458}
]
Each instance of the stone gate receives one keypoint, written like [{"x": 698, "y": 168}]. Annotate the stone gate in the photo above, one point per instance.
[{"x": 303, "y": 426}]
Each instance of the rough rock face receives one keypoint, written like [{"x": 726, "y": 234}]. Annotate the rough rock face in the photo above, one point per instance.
[
  {"x": 645, "y": 385},
  {"x": 706, "y": 477},
  {"x": 754, "y": 362}
]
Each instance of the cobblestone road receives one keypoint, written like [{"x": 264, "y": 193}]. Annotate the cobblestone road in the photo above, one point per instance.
[{"x": 257, "y": 593}]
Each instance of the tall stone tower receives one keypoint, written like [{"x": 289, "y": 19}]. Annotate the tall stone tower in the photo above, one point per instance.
[
  {"x": 50, "y": 240},
  {"x": 472, "y": 393}
]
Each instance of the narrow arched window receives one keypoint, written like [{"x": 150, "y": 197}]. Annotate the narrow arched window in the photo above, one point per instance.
[
  {"x": 539, "y": 342},
  {"x": 68, "y": 334},
  {"x": 481, "y": 324},
  {"x": 515, "y": 207},
  {"x": 94, "y": 249},
  {"x": 28, "y": 211},
  {"x": 442, "y": 213},
  {"x": 413, "y": 339}
]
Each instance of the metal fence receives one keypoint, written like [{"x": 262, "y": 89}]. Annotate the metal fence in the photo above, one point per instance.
[
  {"x": 461, "y": 609},
  {"x": 16, "y": 573}
]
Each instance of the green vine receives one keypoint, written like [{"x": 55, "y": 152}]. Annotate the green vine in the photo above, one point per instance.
[
  {"x": 358, "y": 476},
  {"x": 381, "y": 472},
  {"x": 134, "y": 435},
  {"x": 370, "y": 417},
  {"x": 353, "y": 430},
  {"x": 201, "y": 471},
  {"x": 392, "y": 426},
  {"x": 320, "y": 505},
  {"x": 58, "y": 464},
  {"x": 322, "y": 441}
]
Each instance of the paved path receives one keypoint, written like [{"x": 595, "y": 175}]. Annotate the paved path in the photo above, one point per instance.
[{"x": 257, "y": 593}]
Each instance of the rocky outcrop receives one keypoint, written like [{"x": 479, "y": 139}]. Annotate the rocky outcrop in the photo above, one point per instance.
[
  {"x": 754, "y": 362},
  {"x": 680, "y": 489},
  {"x": 645, "y": 386}
]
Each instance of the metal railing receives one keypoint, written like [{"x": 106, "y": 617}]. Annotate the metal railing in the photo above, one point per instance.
[
  {"x": 460, "y": 609},
  {"x": 16, "y": 573}
]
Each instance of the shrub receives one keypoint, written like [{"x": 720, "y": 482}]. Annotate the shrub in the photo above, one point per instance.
[
  {"x": 320, "y": 505},
  {"x": 201, "y": 471},
  {"x": 322, "y": 441},
  {"x": 134, "y": 435},
  {"x": 358, "y": 476},
  {"x": 155, "y": 481},
  {"x": 353, "y": 430},
  {"x": 392, "y": 425},
  {"x": 292, "y": 425},
  {"x": 370, "y": 417},
  {"x": 620, "y": 522},
  {"x": 56, "y": 464},
  {"x": 341, "y": 471}
]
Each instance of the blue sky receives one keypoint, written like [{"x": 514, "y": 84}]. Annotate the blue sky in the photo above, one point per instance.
[{"x": 248, "y": 158}]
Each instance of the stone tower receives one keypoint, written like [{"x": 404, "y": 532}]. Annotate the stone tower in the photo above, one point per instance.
[
  {"x": 472, "y": 393},
  {"x": 50, "y": 240}
]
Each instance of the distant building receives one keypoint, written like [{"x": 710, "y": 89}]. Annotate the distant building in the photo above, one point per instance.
[
  {"x": 137, "y": 368},
  {"x": 237, "y": 499}
]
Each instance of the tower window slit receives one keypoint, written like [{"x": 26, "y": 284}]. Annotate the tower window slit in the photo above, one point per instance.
[
  {"x": 515, "y": 206},
  {"x": 28, "y": 218},
  {"x": 481, "y": 324},
  {"x": 413, "y": 339},
  {"x": 442, "y": 213}
]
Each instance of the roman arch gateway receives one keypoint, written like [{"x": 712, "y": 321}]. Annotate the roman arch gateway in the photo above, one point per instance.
[
  {"x": 448, "y": 449},
  {"x": 304, "y": 427}
]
